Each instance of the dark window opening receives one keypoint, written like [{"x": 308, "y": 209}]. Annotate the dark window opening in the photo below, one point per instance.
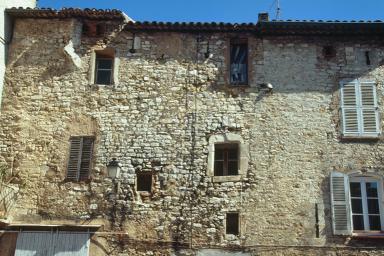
[
  {"x": 85, "y": 29},
  {"x": 329, "y": 52},
  {"x": 93, "y": 29},
  {"x": 367, "y": 58},
  {"x": 239, "y": 63},
  {"x": 104, "y": 68},
  {"x": 144, "y": 182},
  {"x": 100, "y": 29},
  {"x": 80, "y": 156},
  {"x": 226, "y": 159},
  {"x": 232, "y": 223}
]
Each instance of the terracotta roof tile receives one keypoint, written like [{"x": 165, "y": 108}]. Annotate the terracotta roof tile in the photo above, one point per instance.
[{"x": 43, "y": 13}]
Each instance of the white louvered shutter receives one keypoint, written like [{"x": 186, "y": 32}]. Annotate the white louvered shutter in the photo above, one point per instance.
[
  {"x": 369, "y": 108},
  {"x": 359, "y": 109},
  {"x": 341, "y": 213},
  {"x": 74, "y": 158},
  {"x": 350, "y": 109}
]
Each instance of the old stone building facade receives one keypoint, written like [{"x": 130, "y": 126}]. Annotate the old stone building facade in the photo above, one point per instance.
[{"x": 229, "y": 137}]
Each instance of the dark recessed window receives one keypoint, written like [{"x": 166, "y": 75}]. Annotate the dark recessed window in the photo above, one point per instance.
[
  {"x": 144, "y": 182},
  {"x": 104, "y": 69},
  {"x": 329, "y": 52},
  {"x": 100, "y": 29},
  {"x": 232, "y": 223},
  {"x": 367, "y": 58},
  {"x": 239, "y": 62},
  {"x": 226, "y": 159}
]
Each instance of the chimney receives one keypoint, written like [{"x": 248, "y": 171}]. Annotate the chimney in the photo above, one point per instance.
[{"x": 263, "y": 17}]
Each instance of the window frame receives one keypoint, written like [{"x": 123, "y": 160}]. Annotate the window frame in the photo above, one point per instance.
[
  {"x": 98, "y": 54},
  {"x": 144, "y": 173},
  {"x": 233, "y": 42},
  {"x": 243, "y": 159},
  {"x": 362, "y": 180},
  {"x": 341, "y": 204},
  {"x": 226, "y": 159},
  {"x": 359, "y": 107},
  {"x": 237, "y": 233},
  {"x": 97, "y": 69}
]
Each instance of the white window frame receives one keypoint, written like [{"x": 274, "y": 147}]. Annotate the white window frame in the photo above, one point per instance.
[
  {"x": 359, "y": 109},
  {"x": 363, "y": 180}
]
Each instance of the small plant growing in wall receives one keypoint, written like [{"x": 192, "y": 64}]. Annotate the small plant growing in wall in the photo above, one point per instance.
[{"x": 8, "y": 193}]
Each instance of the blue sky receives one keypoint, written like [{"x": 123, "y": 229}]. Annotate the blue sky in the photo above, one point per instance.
[{"x": 232, "y": 10}]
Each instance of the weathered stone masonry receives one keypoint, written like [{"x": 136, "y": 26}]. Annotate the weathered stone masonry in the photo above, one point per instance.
[{"x": 167, "y": 101}]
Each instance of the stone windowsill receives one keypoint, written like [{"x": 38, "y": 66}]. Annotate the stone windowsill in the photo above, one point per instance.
[
  {"x": 231, "y": 178},
  {"x": 368, "y": 235},
  {"x": 352, "y": 137}
]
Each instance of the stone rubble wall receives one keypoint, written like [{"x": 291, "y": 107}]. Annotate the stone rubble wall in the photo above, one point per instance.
[{"x": 158, "y": 118}]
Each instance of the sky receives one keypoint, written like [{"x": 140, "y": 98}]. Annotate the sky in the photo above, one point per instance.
[{"x": 235, "y": 11}]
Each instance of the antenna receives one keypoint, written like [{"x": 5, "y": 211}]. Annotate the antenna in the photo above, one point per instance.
[{"x": 278, "y": 9}]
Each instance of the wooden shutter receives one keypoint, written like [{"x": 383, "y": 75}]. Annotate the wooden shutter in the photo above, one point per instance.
[
  {"x": 74, "y": 158},
  {"x": 80, "y": 156},
  {"x": 341, "y": 213},
  {"x": 86, "y": 157},
  {"x": 370, "y": 115}
]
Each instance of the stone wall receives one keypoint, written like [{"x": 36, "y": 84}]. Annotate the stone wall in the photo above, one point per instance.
[{"x": 158, "y": 118}]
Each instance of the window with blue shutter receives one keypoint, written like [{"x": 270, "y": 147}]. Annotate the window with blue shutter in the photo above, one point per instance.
[
  {"x": 359, "y": 109},
  {"x": 80, "y": 156}
]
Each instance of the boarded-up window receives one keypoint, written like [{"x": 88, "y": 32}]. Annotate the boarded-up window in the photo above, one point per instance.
[
  {"x": 226, "y": 159},
  {"x": 144, "y": 181},
  {"x": 232, "y": 223},
  {"x": 104, "y": 67},
  {"x": 80, "y": 156},
  {"x": 239, "y": 62},
  {"x": 359, "y": 109}
]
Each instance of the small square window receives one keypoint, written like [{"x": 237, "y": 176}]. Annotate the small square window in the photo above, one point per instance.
[
  {"x": 232, "y": 223},
  {"x": 239, "y": 62},
  {"x": 104, "y": 68},
  {"x": 226, "y": 159},
  {"x": 144, "y": 182}
]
